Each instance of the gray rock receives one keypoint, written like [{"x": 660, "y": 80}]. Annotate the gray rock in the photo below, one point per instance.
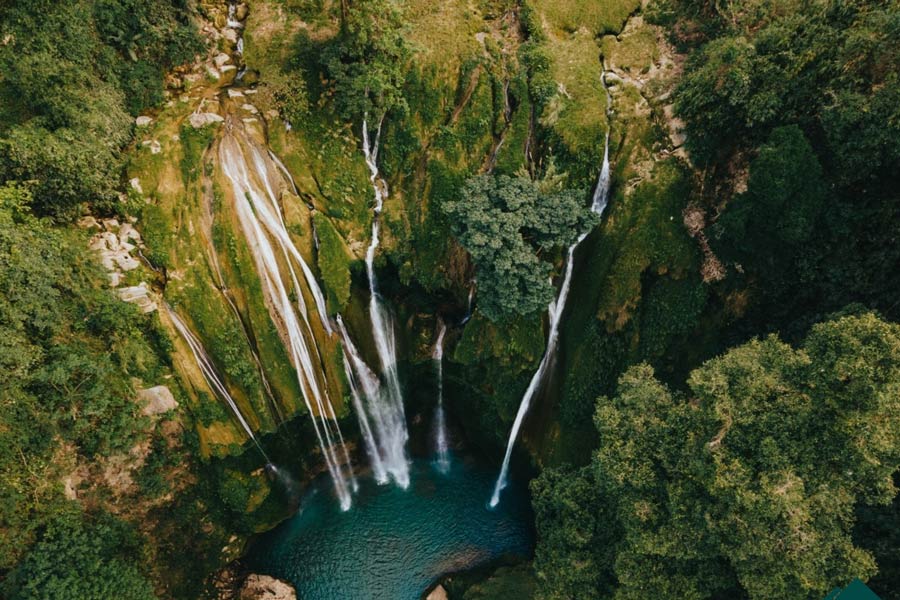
[
  {"x": 136, "y": 185},
  {"x": 263, "y": 587},
  {"x": 157, "y": 400},
  {"x": 139, "y": 295},
  {"x": 222, "y": 59},
  {"x": 126, "y": 262},
  {"x": 143, "y": 121},
  {"x": 202, "y": 119}
]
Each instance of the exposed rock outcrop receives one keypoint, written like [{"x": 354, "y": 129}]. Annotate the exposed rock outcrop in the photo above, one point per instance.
[
  {"x": 202, "y": 119},
  {"x": 263, "y": 587},
  {"x": 156, "y": 400},
  {"x": 438, "y": 593}
]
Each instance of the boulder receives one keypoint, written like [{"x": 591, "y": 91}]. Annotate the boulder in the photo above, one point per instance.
[
  {"x": 202, "y": 119},
  {"x": 128, "y": 232},
  {"x": 438, "y": 593},
  {"x": 139, "y": 295},
  {"x": 126, "y": 262},
  {"x": 88, "y": 223},
  {"x": 156, "y": 400},
  {"x": 263, "y": 587},
  {"x": 143, "y": 121},
  {"x": 136, "y": 185},
  {"x": 222, "y": 59}
]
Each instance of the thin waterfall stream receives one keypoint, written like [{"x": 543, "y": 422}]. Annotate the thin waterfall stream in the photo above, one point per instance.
[
  {"x": 555, "y": 311},
  {"x": 396, "y": 434},
  {"x": 211, "y": 376},
  {"x": 441, "y": 439}
]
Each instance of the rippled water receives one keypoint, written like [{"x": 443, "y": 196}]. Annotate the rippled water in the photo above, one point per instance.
[{"x": 394, "y": 543}]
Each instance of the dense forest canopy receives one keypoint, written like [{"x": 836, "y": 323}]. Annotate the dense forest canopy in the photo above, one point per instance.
[
  {"x": 72, "y": 77},
  {"x": 808, "y": 95},
  {"x": 744, "y": 486}
]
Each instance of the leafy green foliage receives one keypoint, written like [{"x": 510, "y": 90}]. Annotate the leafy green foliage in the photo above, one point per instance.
[
  {"x": 745, "y": 487},
  {"x": 809, "y": 99},
  {"x": 73, "y": 73},
  {"x": 77, "y": 559},
  {"x": 334, "y": 262},
  {"x": 194, "y": 143},
  {"x": 503, "y": 221},
  {"x": 68, "y": 353},
  {"x": 768, "y": 228},
  {"x": 366, "y": 62}
]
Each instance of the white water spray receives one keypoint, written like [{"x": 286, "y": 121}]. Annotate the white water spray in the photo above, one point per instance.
[
  {"x": 469, "y": 306},
  {"x": 555, "y": 311},
  {"x": 441, "y": 447},
  {"x": 382, "y": 327},
  {"x": 211, "y": 376},
  {"x": 378, "y": 415},
  {"x": 258, "y": 213}
]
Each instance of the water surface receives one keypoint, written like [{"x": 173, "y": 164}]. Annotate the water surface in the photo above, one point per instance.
[{"x": 394, "y": 543}]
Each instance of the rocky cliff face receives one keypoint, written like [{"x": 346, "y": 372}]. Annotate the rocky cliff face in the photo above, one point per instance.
[{"x": 473, "y": 109}]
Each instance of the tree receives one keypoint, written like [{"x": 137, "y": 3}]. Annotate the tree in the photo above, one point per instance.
[
  {"x": 503, "y": 222},
  {"x": 366, "y": 63},
  {"x": 72, "y": 73},
  {"x": 746, "y": 485},
  {"x": 76, "y": 559},
  {"x": 69, "y": 349},
  {"x": 768, "y": 228}
]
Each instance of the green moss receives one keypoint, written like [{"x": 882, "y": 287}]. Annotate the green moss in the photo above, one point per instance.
[
  {"x": 334, "y": 263},
  {"x": 193, "y": 143},
  {"x": 598, "y": 17},
  {"x": 576, "y": 115},
  {"x": 157, "y": 234},
  {"x": 519, "y": 341}
]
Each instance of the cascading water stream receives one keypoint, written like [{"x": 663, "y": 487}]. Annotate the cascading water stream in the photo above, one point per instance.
[
  {"x": 469, "y": 304},
  {"x": 211, "y": 376},
  {"x": 387, "y": 447},
  {"x": 382, "y": 327},
  {"x": 441, "y": 448},
  {"x": 555, "y": 311},
  {"x": 258, "y": 212}
]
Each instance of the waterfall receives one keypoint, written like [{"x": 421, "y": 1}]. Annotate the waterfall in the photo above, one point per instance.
[
  {"x": 378, "y": 415},
  {"x": 440, "y": 423},
  {"x": 382, "y": 327},
  {"x": 468, "y": 314},
  {"x": 555, "y": 311},
  {"x": 211, "y": 376},
  {"x": 259, "y": 213}
]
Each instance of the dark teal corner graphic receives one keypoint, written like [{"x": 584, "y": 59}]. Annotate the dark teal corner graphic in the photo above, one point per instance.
[{"x": 857, "y": 590}]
